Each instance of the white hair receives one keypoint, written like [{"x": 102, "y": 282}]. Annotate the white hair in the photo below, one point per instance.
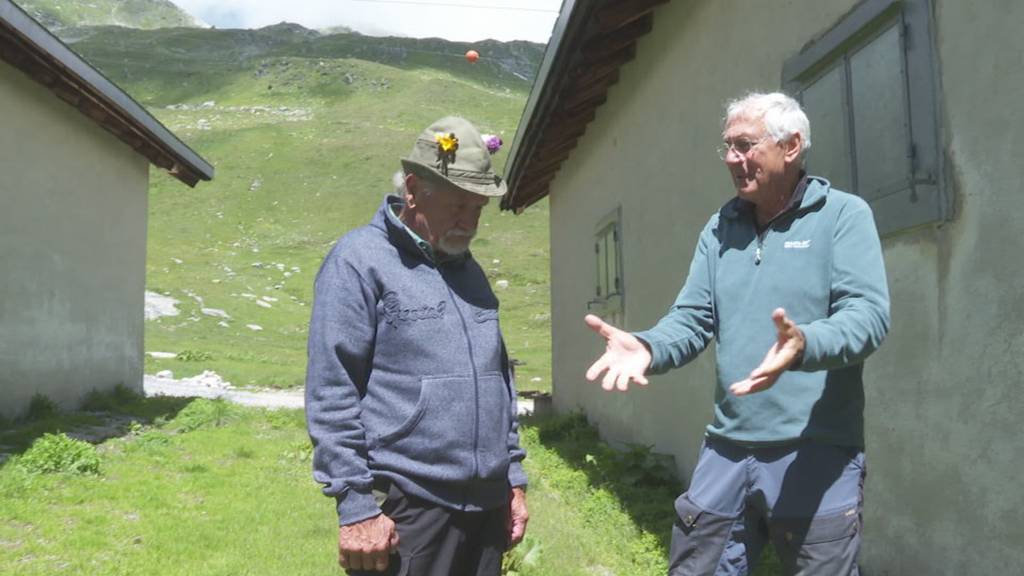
[
  {"x": 398, "y": 181},
  {"x": 782, "y": 116}
]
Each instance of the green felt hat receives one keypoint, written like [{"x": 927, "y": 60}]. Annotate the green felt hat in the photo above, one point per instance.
[{"x": 453, "y": 150}]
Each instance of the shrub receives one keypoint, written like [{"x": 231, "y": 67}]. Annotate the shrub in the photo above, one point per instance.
[
  {"x": 571, "y": 428},
  {"x": 640, "y": 466},
  {"x": 40, "y": 408},
  {"x": 135, "y": 428},
  {"x": 120, "y": 399},
  {"x": 57, "y": 453}
]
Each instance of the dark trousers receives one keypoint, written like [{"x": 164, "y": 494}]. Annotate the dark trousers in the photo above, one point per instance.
[{"x": 437, "y": 541}]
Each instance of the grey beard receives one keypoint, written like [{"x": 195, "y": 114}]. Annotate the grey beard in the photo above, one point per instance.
[{"x": 448, "y": 247}]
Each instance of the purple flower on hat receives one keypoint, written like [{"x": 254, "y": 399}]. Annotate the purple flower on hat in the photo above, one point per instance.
[{"x": 493, "y": 142}]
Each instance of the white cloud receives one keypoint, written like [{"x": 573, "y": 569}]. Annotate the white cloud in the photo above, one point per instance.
[{"x": 531, "y": 19}]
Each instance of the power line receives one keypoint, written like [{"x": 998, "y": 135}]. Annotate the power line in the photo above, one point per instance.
[{"x": 454, "y": 5}]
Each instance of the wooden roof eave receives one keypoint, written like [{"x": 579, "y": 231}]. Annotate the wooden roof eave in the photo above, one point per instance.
[
  {"x": 592, "y": 41},
  {"x": 27, "y": 46}
]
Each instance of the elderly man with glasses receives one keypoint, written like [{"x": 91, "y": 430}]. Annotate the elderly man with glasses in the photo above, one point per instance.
[{"x": 793, "y": 267}]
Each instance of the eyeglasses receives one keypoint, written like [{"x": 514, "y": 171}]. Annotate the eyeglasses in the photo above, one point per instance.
[{"x": 741, "y": 146}]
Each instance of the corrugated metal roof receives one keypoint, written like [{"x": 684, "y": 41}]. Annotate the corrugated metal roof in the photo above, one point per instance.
[{"x": 30, "y": 47}]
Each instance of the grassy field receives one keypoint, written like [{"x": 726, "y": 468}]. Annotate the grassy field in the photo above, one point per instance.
[
  {"x": 305, "y": 133},
  {"x": 203, "y": 487},
  {"x": 185, "y": 497}
]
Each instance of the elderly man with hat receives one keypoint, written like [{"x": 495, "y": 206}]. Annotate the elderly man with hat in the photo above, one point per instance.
[{"x": 410, "y": 399}]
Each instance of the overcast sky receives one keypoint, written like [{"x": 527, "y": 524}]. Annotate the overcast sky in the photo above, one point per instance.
[{"x": 463, "y": 20}]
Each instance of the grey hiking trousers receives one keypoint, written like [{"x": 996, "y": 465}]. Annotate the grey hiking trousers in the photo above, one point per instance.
[{"x": 805, "y": 498}]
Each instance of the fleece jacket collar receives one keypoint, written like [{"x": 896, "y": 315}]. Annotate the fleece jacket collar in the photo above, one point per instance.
[{"x": 815, "y": 192}]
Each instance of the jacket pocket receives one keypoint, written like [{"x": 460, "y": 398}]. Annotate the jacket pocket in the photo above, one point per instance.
[
  {"x": 441, "y": 413},
  {"x": 482, "y": 315},
  {"x": 404, "y": 428},
  {"x": 495, "y": 421},
  {"x": 438, "y": 439}
]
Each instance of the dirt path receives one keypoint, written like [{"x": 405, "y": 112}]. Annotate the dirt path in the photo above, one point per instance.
[{"x": 266, "y": 399}]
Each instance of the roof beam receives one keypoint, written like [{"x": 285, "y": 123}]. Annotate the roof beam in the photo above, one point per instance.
[
  {"x": 557, "y": 153},
  {"x": 611, "y": 61},
  {"x": 530, "y": 199},
  {"x": 599, "y": 46},
  {"x": 588, "y": 60},
  {"x": 615, "y": 13}
]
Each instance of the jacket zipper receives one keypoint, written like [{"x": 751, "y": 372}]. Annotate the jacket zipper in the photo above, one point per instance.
[
  {"x": 476, "y": 380},
  {"x": 761, "y": 235}
]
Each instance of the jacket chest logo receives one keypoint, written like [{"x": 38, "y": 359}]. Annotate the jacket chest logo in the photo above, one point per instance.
[
  {"x": 797, "y": 244},
  {"x": 395, "y": 312}
]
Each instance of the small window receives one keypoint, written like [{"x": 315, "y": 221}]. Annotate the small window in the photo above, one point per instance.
[
  {"x": 867, "y": 87},
  {"x": 608, "y": 285}
]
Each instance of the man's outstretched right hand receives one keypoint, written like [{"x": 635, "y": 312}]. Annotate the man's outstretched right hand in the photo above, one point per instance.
[
  {"x": 625, "y": 357},
  {"x": 366, "y": 545}
]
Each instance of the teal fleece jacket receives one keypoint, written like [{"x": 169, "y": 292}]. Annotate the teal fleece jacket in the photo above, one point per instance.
[{"x": 821, "y": 260}]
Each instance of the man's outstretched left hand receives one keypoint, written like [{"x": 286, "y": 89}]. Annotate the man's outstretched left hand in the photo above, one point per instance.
[{"x": 787, "y": 350}]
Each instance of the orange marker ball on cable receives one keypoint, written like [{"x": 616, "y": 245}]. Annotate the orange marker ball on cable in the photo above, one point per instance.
[{"x": 472, "y": 56}]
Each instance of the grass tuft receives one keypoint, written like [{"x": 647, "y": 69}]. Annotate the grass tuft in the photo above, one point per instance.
[
  {"x": 204, "y": 413},
  {"x": 194, "y": 356}
]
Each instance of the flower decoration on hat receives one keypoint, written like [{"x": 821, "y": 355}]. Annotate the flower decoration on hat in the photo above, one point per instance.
[
  {"x": 493, "y": 142},
  {"x": 447, "y": 144}
]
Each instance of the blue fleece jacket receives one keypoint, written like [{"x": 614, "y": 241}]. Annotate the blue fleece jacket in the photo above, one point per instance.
[
  {"x": 821, "y": 260},
  {"x": 408, "y": 378}
]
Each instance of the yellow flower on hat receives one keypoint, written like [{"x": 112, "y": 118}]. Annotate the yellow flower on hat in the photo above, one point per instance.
[{"x": 447, "y": 142}]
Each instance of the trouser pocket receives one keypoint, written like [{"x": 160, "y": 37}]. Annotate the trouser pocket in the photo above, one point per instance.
[
  {"x": 698, "y": 539},
  {"x": 827, "y": 544}
]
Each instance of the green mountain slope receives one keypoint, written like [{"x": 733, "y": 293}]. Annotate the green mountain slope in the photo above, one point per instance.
[
  {"x": 57, "y": 14},
  {"x": 172, "y": 65},
  {"x": 305, "y": 132}
]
